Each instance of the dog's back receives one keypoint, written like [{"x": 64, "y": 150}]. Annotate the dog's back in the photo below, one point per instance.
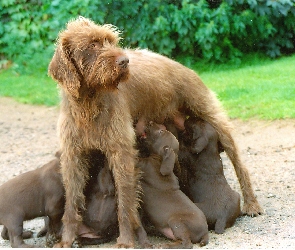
[
  {"x": 25, "y": 193},
  {"x": 208, "y": 187}
]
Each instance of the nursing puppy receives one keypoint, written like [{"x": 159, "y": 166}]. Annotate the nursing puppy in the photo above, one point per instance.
[
  {"x": 167, "y": 208},
  {"x": 100, "y": 222},
  {"x": 206, "y": 184}
]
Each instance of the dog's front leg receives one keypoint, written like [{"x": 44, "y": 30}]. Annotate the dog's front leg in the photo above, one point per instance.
[
  {"x": 122, "y": 163},
  {"x": 74, "y": 173}
]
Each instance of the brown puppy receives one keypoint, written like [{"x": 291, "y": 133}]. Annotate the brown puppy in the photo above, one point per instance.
[
  {"x": 33, "y": 194},
  {"x": 99, "y": 107},
  {"x": 100, "y": 223},
  {"x": 167, "y": 208},
  {"x": 206, "y": 183},
  {"x": 100, "y": 217},
  {"x": 101, "y": 213}
]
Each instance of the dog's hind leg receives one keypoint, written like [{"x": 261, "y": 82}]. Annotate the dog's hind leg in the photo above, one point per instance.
[
  {"x": 4, "y": 233},
  {"x": 25, "y": 235},
  {"x": 220, "y": 225},
  {"x": 181, "y": 234},
  {"x": 15, "y": 232}
]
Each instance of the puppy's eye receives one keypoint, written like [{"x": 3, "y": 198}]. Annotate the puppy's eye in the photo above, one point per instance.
[{"x": 161, "y": 131}]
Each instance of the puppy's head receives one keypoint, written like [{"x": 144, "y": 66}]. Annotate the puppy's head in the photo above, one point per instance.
[
  {"x": 198, "y": 134},
  {"x": 88, "y": 55},
  {"x": 158, "y": 137},
  {"x": 162, "y": 142}
]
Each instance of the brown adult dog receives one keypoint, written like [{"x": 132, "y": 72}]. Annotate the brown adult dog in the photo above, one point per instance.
[
  {"x": 207, "y": 185},
  {"x": 32, "y": 194},
  {"x": 167, "y": 208},
  {"x": 97, "y": 113}
]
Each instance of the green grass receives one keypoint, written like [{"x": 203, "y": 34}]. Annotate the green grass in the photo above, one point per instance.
[
  {"x": 256, "y": 88},
  {"x": 35, "y": 88}
]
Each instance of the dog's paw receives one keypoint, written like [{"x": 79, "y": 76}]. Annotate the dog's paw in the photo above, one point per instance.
[
  {"x": 147, "y": 245},
  {"x": 123, "y": 245},
  {"x": 124, "y": 242},
  {"x": 63, "y": 244},
  {"x": 51, "y": 240},
  {"x": 76, "y": 244},
  {"x": 252, "y": 209}
]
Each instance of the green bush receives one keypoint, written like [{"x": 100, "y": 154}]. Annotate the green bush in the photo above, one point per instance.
[{"x": 215, "y": 30}]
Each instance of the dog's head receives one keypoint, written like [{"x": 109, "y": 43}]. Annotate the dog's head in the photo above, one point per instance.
[{"x": 87, "y": 55}]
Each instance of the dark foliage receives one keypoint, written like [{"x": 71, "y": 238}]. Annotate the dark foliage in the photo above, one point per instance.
[{"x": 215, "y": 30}]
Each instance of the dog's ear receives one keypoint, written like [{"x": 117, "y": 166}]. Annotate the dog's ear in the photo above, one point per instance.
[
  {"x": 63, "y": 70},
  {"x": 168, "y": 160},
  {"x": 199, "y": 144}
]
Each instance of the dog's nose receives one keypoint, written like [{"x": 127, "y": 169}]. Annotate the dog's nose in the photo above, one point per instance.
[{"x": 122, "y": 61}]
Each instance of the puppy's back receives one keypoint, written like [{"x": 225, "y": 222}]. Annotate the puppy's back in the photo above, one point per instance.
[{"x": 24, "y": 194}]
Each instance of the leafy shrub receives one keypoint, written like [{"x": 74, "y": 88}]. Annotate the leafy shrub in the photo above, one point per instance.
[{"x": 215, "y": 30}]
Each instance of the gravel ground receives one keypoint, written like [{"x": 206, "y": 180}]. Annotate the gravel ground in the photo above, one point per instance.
[{"x": 28, "y": 140}]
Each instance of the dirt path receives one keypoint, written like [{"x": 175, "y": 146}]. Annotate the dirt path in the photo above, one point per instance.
[{"x": 28, "y": 140}]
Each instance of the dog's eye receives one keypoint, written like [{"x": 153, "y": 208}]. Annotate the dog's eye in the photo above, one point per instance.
[
  {"x": 94, "y": 45},
  {"x": 161, "y": 131}
]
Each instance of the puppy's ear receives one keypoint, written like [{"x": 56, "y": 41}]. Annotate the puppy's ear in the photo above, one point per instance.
[
  {"x": 105, "y": 181},
  {"x": 58, "y": 154},
  {"x": 199, "y": 144},
  {"x": 168, "y": 160},
  {"x": 63, "y": 70}
]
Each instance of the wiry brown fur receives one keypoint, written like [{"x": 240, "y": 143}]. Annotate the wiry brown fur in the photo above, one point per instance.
[
  {"x": 99, "y": 106},
  {"x": 93, "y": 117}
]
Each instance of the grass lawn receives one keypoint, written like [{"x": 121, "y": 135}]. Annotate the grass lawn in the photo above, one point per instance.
[
  {"x": 35, "y": 88},
  {"x": 257, "y": 88},
  {"x": 263, "y": 89}
]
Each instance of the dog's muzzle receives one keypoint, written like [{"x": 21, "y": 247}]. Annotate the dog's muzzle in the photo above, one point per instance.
[{"x": 122, "y": 61}]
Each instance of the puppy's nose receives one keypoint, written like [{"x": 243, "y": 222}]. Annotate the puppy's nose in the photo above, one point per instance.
[{"x": 122, "y": 61}]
